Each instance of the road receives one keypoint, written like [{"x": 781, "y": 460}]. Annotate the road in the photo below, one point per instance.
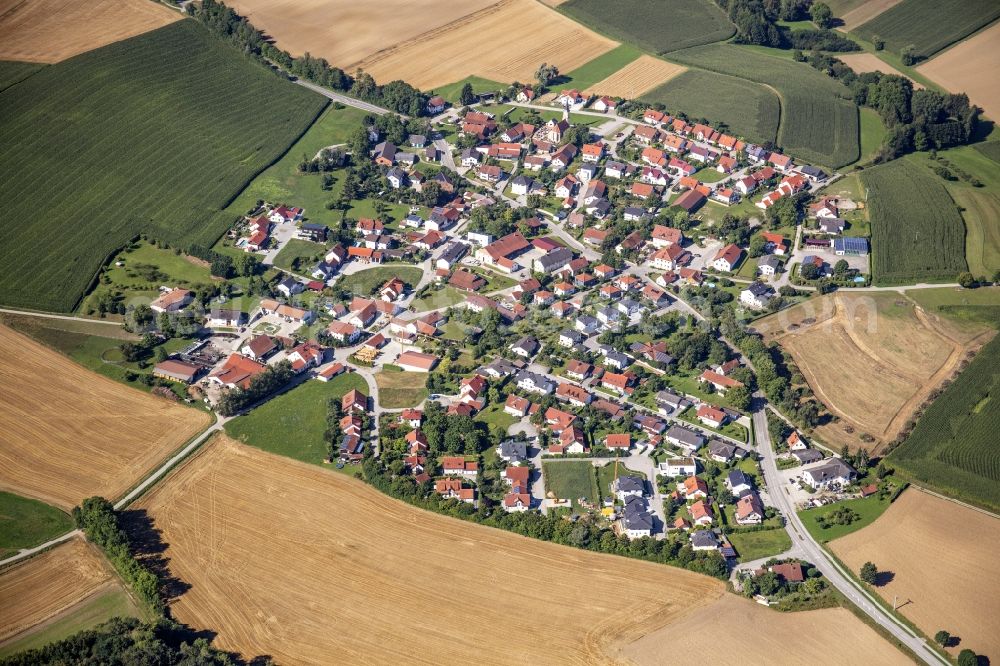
[
  {"x": 50, "y": 315},
  {"x": 815, "y": 553},
  {"x": 344, "y": 99}
]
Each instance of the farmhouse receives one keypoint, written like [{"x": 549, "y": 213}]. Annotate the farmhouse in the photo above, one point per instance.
[
  {"x": 171, "y": 300},
  {"x": 236, "y": 372}
]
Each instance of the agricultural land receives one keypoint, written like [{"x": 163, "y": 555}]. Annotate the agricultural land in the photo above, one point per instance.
[
  {"x": 12, "y": 72},
  {"x": 152, "y": 118},
  {"x": 49, "y": 31},
  {"x": 869, "y": 62},
  {"x": 970, "y": 67},
  {"x": 26, "y": 522},
  {"x": 376, "y": 557},
  {"x": 856, "y": 12},
  {"x": 637, "y": 77},
  {"x": 929, "y": 25},
  {"x": 63, "y": 444},
  {"x": 937, "y": 557}
]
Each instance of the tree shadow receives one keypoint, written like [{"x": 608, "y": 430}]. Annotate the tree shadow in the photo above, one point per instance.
[
  {"x": 150, "y": 549},
  {"x": 884, "y": 578}
]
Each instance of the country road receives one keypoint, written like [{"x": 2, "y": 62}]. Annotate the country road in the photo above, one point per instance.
[
  {"x": 52, "y": 315},
  {"x": 344, "y": 99}
]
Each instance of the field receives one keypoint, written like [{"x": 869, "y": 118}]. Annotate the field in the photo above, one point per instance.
[
  {"x": 869, "y": 508},
  {"x": 53, "y": 30},
  {"x": 744, "y": 107},
  {"x": 63, "y": 442},
  {"x": 293, "y": 423},
  {"x": 154, "y": 151},
  {"x": 571, "y": 480},
  {"x": 636, "y": 78},
  {"x": 765, "y": 543},
  {"x": 12, "y": 72},
  {"x": 989, "y": 149},
  {"x": 872, "y": 136},
  {"x": 61, "y": 585},
  {"x": 654, "y": 26},
  {"x": 970, "y": 308},
  {"x": 740, "y": 631},
  {"x": 457, "y": 50},
  {"x": 375, "y": 580},
  {"x": 855, "y": 12},
  {"x": 401, "y": 389},
  {"x": 930, "y": 25},
  {"x": 819, "y": 123},
  {"x": 917, "y": 232},
  {"x": 969, "y": 67},
  {"x": 953, "y": 447},
  {"x": 601, "y": 67},
  {"x": 26, "y": 522},
  {"x": 942, "y": 559},
  {"x": 869, "y": 62},
  {"x": 981, "y": 212},
  {"x": 872, "y": 359}
]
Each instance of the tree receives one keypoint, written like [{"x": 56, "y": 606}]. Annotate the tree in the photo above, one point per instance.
[
  {"x": 942, "y": 638},
  {"x": 222, "y": 266},
  {"x": 739, "y": 398},
  {"x": 878, "y": 42},
  {"x": 869, "y": 573},
  {"x": 546, "y": 74},
  {"x": 467, "y": 96},
  {"x": 966, "y": 280},
  {"x": 840, "y": 267},
  {"x": 821, "y": 14},
  {"x": 968, "y": 658},
  {"x": 810, "y": 271},
  {"x": 757, "y": 246},
  {"x": 908, "y": 54}
]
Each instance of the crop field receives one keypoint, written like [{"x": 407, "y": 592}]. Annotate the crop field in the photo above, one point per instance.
[
  {"x": 942, "y": 559},
  {"x": 855, "y": 12},
  {"x": 953, "y": 448},
  {"x": 42, "y": 587},
  {"x": 990, "y": 149},
  {"x": 744, "y": 107},
  {"x": 158, "y": 149},
  {"x": 637, "y": 77},
  {"x": 600, "y": 68},
  {"x": 872, "y": 359},
  {"x": 70, "y": 434},
  {"x": 401, "y": 389},
  {"x": 532, "y": 34},
  {"x": 981, "y": 212},
  {"x": 654, "y": 26},
  {"x": 764, "y": 637},
  {"x": 930, "y": 25},
  {"x": 371, "y": 579},
  {"x": 917, "y": 232},
  {"x": 819, "y": 123},
  {"x": 869, "y": 62},
  {"x": 53, "y": 30},
  {"x": 26, "y": 522},
  {"x": 970, "y": 67},
  {"x": 12, "y": 72}
]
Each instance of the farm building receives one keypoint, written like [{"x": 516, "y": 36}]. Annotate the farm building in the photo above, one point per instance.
[{"x": 850, "y": 246}]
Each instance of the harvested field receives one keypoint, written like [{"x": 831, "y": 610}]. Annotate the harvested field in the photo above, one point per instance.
[
  {"x": 53, "y": 30},
  {"x": 929, "y": 25},
  {"x": 872, "y": 359},
  {"x": 869, "y": 62},
  {"x": 70, "y": 433},
  {"x": 942, "y": 559},
  {"x": 864, "y": 12},
  {"x": 346, "y": 32},
  {"x": 639, "y": 76},
  {"x": 971, "y": 67},
  {"x": 455, "y": 51},
  {"x": 45, "y": 585},
  {"x": 764, "y": 637},
  {"x": 308, "y": 566}
]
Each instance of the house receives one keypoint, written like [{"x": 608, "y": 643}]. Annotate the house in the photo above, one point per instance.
[
  {"x": 172, "y": 300},
  {"x": 782, "y": 163},
  {"x": 722, "y": 452},
  {"x": 604, "y": 104},
  {"x": 658, "y": 297},
  {"x": 830, "y": 472},
  {"x": 416, "y": 361},
  {"x": 701, "y": 513},
  {"x": 566, "y": 186},
  {"x": 514, "y": 452},
  {"x": 596, "y": 189},
  {"x": 668, "y": 402},
  {"x": 514, "y": 502},
  {"x": 574, "y": 395},
  {"x": 745, "y": 185},
  {"x": 664, "y": 236},
  {"x": 452, "y": 253},
  {"x": 436, "y": 104},
  {"x": 516, "y": 406},
  {"x": 526, "y": 347},
  {"x": 831, "y": 225},
  {"x": 558, "y": 420},
  {"x": 628, "y": 486},
  {"x": 553, "y": 261},
  {"x": 304, "y": 356},
  {"x": 653, "y": 117},
  {"x": 768, "y": 266},
  {"x": 259, "y": 347},
  {"x": 286, "y": 214},
  {"x": 534, "y": 383},
  {"x": 726, "y": 164},
  {"x": 508, "y": 247},
  {"x": 571, "y": 440},
  {"x": 563, "y": 157},
  {"x": 795, "y": 442},
  {"x": 727, "y": 258},
  {"x": 616, "y": 170},
  {"x": 637, "y": 520},
  {"x": 712, "y": 416},
  {"x": 681, "y": 167},
  {"x": 396, "y": 178},
  {"x": 668, "y": 258},
  {"x": 749, "y": 510},
  {"x": 620, "y": 383},
  {"x": 470, "y": 157},
  {"x": 738, "y": 482},
  {"x": 459, "y": 466},
  {"x": 587, "y": 325},
  {"x": 392, "y": 290},
  {"x": 222, "y": 317},
  {"x": 343, "y": 331},
  {"x": 684, "y": 438},
  {"x": 592, "y": 152},
  {"x": 618, "y": 441},
  {"x": 807, "y": 456},
  {"x": 466, "y": 280},
  {"x": 674, "y": 467},
  {"x": 790, "y": 572},
  {"x": 653, "y": 157},
  {"x": 489, "y": 173},
  {"x": 354, "y": 401},
  {"x": 652, "y": 176},
  {"x": 693, "y": 487},
  {"x": 757, "y": 296},
  {"x": 385, "y": 154},
  {"x": 720, "y": 383},
  {"x": 704, "y": 540},
  {"x": 455, "y": 489},
  {"x": 236, "y": 372},
  {"x": 775, "y": 243},
  {"x": 286, "y": 312},
  {"x": 578, "y": 370},
  {"x": 177, "y": 370}
]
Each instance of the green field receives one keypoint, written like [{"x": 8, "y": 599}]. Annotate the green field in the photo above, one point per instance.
[
  {"x": 868, "y": 508},
  {"x": 819, "y": 120},
  {"x": 743, "y": 107},
  {"x": 872, "y": 133},
  {"x": 981, "y": 212},
  {"x": 12, "y": 72},
  {"x": 954, "y": 445},
  {"x": 929, "y": 25},
  {"x": 755, "y": 545},
  {"x": 571, "y": 480},
  {"x": 26, "y": 522},
  {"x": 654, "y": 26},
  {"x": 363, "y": 283},
  {"x": 401, "y": 389},
  {"x": 917, "y": 232},
  {"x": 307, "y": 252},
  {"x": 600, "y": 68},
  {"x": 990, "y": 149},
  {"x": 971, "y": 307},
  {"x": 293, "y": 423},
  {"x": 154, "y": 134},
  {"x": 495, "y": 417},
  {"x": 452, "y": 91},
  {"x": 438, "y": 299}
]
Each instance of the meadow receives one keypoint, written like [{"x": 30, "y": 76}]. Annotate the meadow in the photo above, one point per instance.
[
  {"x": 26, "y": 522},
  {"x": 571, "y": 480},
  {"x": 763, "y": 543},
  {"x": 745, "y": 108},
  {"x": 652, "y": 26},
  {"x": 364, "y": 283},
  {"x": 401, "y": 389},
  {"x": 155, "y": 148},
  {"x": 929, "y": 25},
  {"x": 917, "y": 232}
]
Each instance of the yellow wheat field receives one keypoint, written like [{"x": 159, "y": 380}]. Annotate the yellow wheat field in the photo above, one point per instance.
[{"x": 639, "y": 76}]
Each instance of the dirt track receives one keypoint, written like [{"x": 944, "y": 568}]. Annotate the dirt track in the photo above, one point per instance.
[
  {"x": 69, "y": 433},
  {"x": 309, "y": 566}
]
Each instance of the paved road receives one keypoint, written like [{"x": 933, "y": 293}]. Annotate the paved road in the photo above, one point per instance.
[
  {"x": 813, "y": 552},
  {"x": 344, "y": 99},
  {"x": 28, "y": 552}
]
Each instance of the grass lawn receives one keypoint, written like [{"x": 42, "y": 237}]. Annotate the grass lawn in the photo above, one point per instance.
[
  {"x": 600, "y": 68},
  {"x": 494, "y": 281},
  {"x": 495, "y": 417},
  {"x": 26, "y": 522},
  {"x": 571, "y": 479},
  {"x": 748, "y": 268},
  {"x": 293, "y": 423},
  {"x": 305, "y": 251},
  {"x": 869, "y": 509},
  {"x": 363, "y": 283},
  {"x": 516, "y": 113},
  {"x": 755, "y": 545},
  {"x": 401, "y": 389},
  {"x": 709, "y": 174},
  {"x": 733, "y": 430},
  {"x": 438, "y": 299},
  {"x": 479, "y": 85}
]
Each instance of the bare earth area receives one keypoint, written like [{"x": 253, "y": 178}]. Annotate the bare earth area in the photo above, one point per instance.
[
  {"x": 869, "y": 62},
  {"x": 865, "y": 12},
  {"x": 42, "y": 587},
  {"x": 734, "y": 630},
  {"x": 971, "y": 67},
  {"x": 345, "y": 32},
  {"x": 872, "y": 359},
  {"x": 942, "y": 557},
  {"x": 532, "y": 34},
  {"x": 642, "y": 74},
  {"x": 69, "y": 433},
  {"x": 310, "y": 566},
  {"x": 53, "y": 30}
]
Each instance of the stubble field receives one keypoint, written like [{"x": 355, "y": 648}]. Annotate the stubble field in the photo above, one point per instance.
[
  {"x": 70, "y": 433},
  {"x": 53, "y": 30},
  {"x": 505, "y": 42},
  {"x": 307, "y": 566},
  {"x": 971, "y": 67},
  {"x": 639, "y": 76},
  {"x": 942, "y": 559},
  {"x": 869, "y": 62}
]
